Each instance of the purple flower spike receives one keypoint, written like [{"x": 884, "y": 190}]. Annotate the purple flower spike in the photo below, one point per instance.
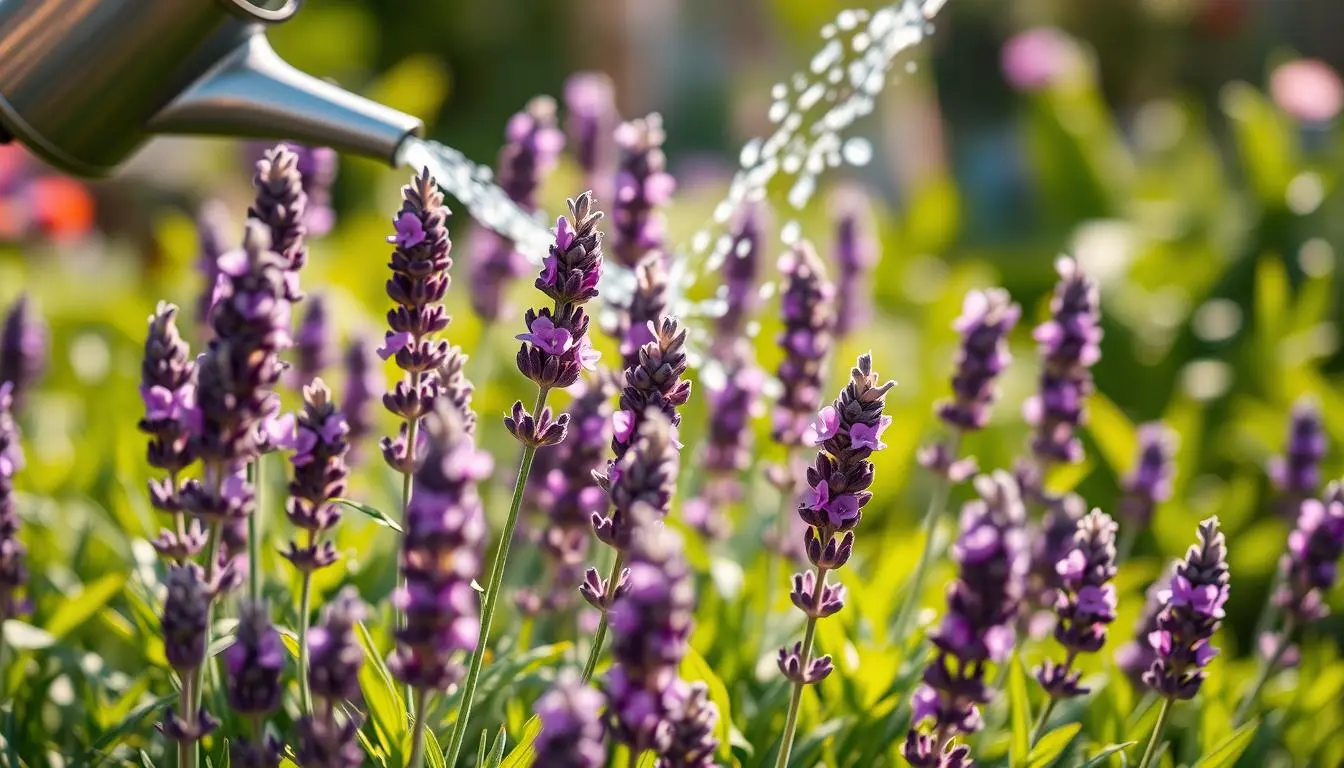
[
  {"x": 335, "y": 651},
  {"x": 1310, "y": 567},
  {"x": 13, "y": 572},
  {"x": 312, "y": 343},
  {"x": 735, "y": 402},
  {"x": 1192, "y": 612},
  {"x": 1149, "y": 483},
  {"x": 441, "y": 554},
  {"x": 982, "y": 607},
  {"x": 741, "y": 274},
  {"x": 255, "y": 663},
  {"x": 590, "y": 100},
  {"x": 986, "y": 320},
  {"x": 185, "y": 613},
  {"x": 571, "y": 726},
  {"x": 325, "y": 743},
  {"x": 694, "y": 718},
  {"x": 1069, "y": 347},
  {"x": 651, "y": 625},
  {"x": 807, "y": 305},
  {"x": 648, "y": 304},
  {"x": 1136, "y": 656},
  {"x": 212, "y": 234},
  {"x": 643, "y": 185},
  {"x": 168, "y": 387},
  {"x": 1085, "y": 602},
  {"x": 318, "y": 167},
  {"x": 532, "y": 148},
  {"x": 363, "y": 380},
  {"x": 1297, "y": 474},
  {"x": 23, "y": 349},
  {"x": 282, "y": 205},
  {"x": 644, "y": 479},
  {"x": 857, "y": 252},
  {"x": 319, "y": 477}
]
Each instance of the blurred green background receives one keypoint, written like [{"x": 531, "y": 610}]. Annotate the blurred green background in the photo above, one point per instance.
[{"x": 1142, "y": 137}]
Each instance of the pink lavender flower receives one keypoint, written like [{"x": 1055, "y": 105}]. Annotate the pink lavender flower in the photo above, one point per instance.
[
  {"x": 1308, "y": 90},
  {"x": 856, "y": 253},
  {"x": 1084, "y": 604},
  {"x": 532, "y": 147},
  {"x": 590, "y": 100},
  {"x": 420, "y": 264},
  {"x": 1297, "y": 474},
  {"x": 13, "y": 572},
  {"x": 445, "y": 530},
  {"x": 643, "y": 185},
  {"x": 1069, "y": 345},
  {"x": 319, "y": 445},
  {"x": 1149, "y": 483},
  {"x": 978, "y": 626},
  {"x": 807, "y": 306},
  {"x": 23, "y": 349},
  {"x": 1192, "y": 611},
  {"x": 282, "y": 205},
  {"x": 571, "y": 726}
]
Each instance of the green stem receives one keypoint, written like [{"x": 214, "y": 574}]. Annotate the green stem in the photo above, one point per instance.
[
  {"x": 193, "y": 683},
  {"x": 417, "y": 759},
  {"x": 1039, "y": 731},
  {"x": 186, "y": 750},
  {"x": 596, "y": 652},
  {"x": 305, "y": 608},
  {"x": 1128, "y": 537},
  {"x": 254, "y": 531},
  {"x": 937, "y": 504},
  {"x": 1266, "y": 671},
  {"x": 1156, "y": 739},
  {"x": 493, "y": 589},
  {"x": 804, "y": 656}
]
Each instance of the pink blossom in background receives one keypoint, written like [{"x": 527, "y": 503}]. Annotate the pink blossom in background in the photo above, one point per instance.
[
  {"x": 1307, "y": 89},
  {"x": 1038, "y": 58}
]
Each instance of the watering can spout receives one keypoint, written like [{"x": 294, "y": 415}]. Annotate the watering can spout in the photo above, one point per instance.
[{"x": 252, "y": 92}]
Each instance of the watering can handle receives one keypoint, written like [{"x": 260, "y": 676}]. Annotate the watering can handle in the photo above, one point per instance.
[{"x": 261, "y": 10}]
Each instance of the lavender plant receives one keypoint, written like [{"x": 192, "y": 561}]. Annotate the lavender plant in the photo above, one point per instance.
[
  {"x": 590, "y": 101},
  {"x": 23, "y": 349},
  {"x": 312, "y": 343},
  {"x": 13, "y": 571},
  {"x": 281, "y": 204},
  {"x": 571, "y": 726},
  {"x": 847, "y": 434},
  {"x": 212, "y": 228},
  {"x": 1148, "y": 483},
  {"x": 168, "y": 389},
  {"x": 856, "y": 253},
  {"x": 642, "y": 186},
  {"x": 327, "y": 739},
  {"x": 256, "y": 663},
  {"x": 1296, "y": 474},
  {"x": 363, "y": 382},
  {"x": 734, "y": 403}
]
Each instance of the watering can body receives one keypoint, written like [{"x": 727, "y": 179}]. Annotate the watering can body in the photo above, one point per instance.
[{"x": 84, "y": 83}]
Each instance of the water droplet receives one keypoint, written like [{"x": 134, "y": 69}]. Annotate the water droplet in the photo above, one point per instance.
[
  {"x": 847, "y": 20},
  {"x": 791, "y": 232},
  {"x": 779, "y": 91},
  {"x": 911, "y": 67},
  {"x": 802, "y": 191},
  {"x": 700, "y": 243},
  {"x": 750, "y": 154},
  {"x": 827, "y": 32},
  {"x": 857, "y": 151},
  {"x": 778, "y": 111},
  {"x": 811, "y": 96}
]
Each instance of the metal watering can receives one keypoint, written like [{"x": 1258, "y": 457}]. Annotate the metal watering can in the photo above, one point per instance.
[{"x": 84, "y": 83}]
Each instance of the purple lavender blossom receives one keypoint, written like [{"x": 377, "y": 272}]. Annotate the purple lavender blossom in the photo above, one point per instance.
[
  {"x": 648, "y": 304},
  {"x": 1135, "y": 657},
  {"x": 326, "y": 743},
  {"x": 694, "y": 718},
  {"x": 1149, "y": 483},
  {"x": 734, "y": 402},
  {"x": 846, "y": 434},
  {"x": 212, "y": 226},
  {"x": 1192, "y": 610},
  {"x": 1084, "y": 604},
  {"x": 590, "y": 100},
  {"x": 987, "y": 318},
  {"x": 455, "y": 388},
  {"x": 255, "y": 663},
  {"x": 186, "y": 617},
  {"x": 531, "y": 149},
  {"x": 333, "y": 676},
  {"x": 312, "y": 343},
  {"x": 978, "y": 626},
  {"x": 363, "y": 378},
  {"x": 441, "y": 554},
  {"x": 419, "y": 265},
  {"x": 1069, "y": 346},
  {"x": 807, "y": 304},
  {"x": 571, "y": 726},
  {"x": 1310, "y": 567},
  {"x": 319, "y": 444},
  {"x": 741, "y": 274},
  {"x": 282, "y": 205},
  {"x": 641, "y": 482},
  {"x": 1297, "y": 474},
  {"x": 1051, "y": 541},
  {"x": 23, "y": 349},
  {"x": 318, "y": 167},
  {"x": 643, "y": 185},
  {"x": 857, "y": 252},
  {"x": 13, "y": 572},
  {"x": 651, "y": 623}
]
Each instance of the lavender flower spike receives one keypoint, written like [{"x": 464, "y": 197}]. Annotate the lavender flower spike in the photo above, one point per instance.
[
  {"x": 571, "y": 726},
  {"x": 857, "y": 252},
  {"x": 734, "y": 401},
  {"x": 333, "y": 677},
  {"x": 363, "y": 380},
  {"x": 319, "y": 445},
  {"x": 694, "y": 718},
  {"x": 1310, "y": 567},
  {"x": 420, "y": 264},
  {"x": 1297, "y": 474},
  {"x": 255, "y": 662},
  {"x": 1192, "y": 610},
  {"x": 741, "y": 273},
  {"x": 807, "y": 306},
  {"x": 532, "y": 147},
  {"x": 590, "y": 100},
  {"x": 23, "y": 349},
  {"x": 312, "y": 343},
  {"x": 1149, "y": 483},
  {"x": 982, "y": 607},
  {"x": 282, "y": 206},
  {"x": 13, "y": 572},
  {"x": 186, "y": 616},
  {"x": 643, "y": 185},
  {"x": 318, "y": 167},
  {"x": 1085, "y": 603},
  {"x": 1069, "y": 345},
  {"x": 1135, "y": 657},
  {"x": 212, "y": 228}
]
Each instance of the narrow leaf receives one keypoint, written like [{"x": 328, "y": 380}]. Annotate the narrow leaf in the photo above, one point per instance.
[
  {"x": 497, "y": 750},
  {"x": 97, "y": 751},
  {"x": 523, "y": 755},
  {"x": 433, "y": 752},
  {"x": 1019, "y": 707},
  {"x": 1229, "y": 751},
  {"x": 1052, "y": 745},
  {"x": 373, "y": 514},
  {"x": 1101, "y": 758}
]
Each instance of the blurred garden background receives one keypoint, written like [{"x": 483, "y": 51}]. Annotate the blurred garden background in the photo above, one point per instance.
[{"x": 1187, "y": 152}]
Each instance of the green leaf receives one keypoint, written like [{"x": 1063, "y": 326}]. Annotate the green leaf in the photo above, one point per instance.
[
  {"x": 373, "y": 514},
  {"x": 647, "y": 760},
  {"x": 1116, "y": 436},
  {"x": 1099, "y": 759},
  {"x": 97, "y": 751},
  {"x": 481, "y": 746},
  {"x": 523, "y": 755},
  {"x": 497, "y": 750},
  {"x": 433, "y": 752},
  {"x": 695, "y": 669},
  {"x": 387, "y": 709},
  {"x": 1229, "y": 751},
  {"x": 73, "y": 612},
  {"x": 1052, "y": 745},
  {"x": 22, "y": 636},
  {"x": 1019, "y": 707}
]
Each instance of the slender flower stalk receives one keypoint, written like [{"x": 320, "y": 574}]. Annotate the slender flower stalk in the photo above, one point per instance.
[
  {"x": 23, "y": 349},
  {"x": 571, "y": 726},
  {"x": 655, "y": 386},
  {"x": 1307, "y": 573},
  {"x": 13, "y": 571},
  {"x": 982, "y": 606},
  {"x": 590, "y": 101},
  {"x": 1148, "y": 483},
  {"x": 847, "y": 434},
  {"x": 1084, "y": 605},
  {"x": 531, "y": 149},
  {"x": 325, "y": 740},
  {"x": 555, "y": 350},
  {"x": 987, "y": 317},
  {"x": 319, "y": 445},
  {"x": 643, "y": 185},
  {"x": 857, "y": 252},
  {"x": 1192, "y": 611},
  {"x": 440, "y": 556}
]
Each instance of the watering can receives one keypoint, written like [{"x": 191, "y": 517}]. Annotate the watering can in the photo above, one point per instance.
[{"x": 84, "y": 83}]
